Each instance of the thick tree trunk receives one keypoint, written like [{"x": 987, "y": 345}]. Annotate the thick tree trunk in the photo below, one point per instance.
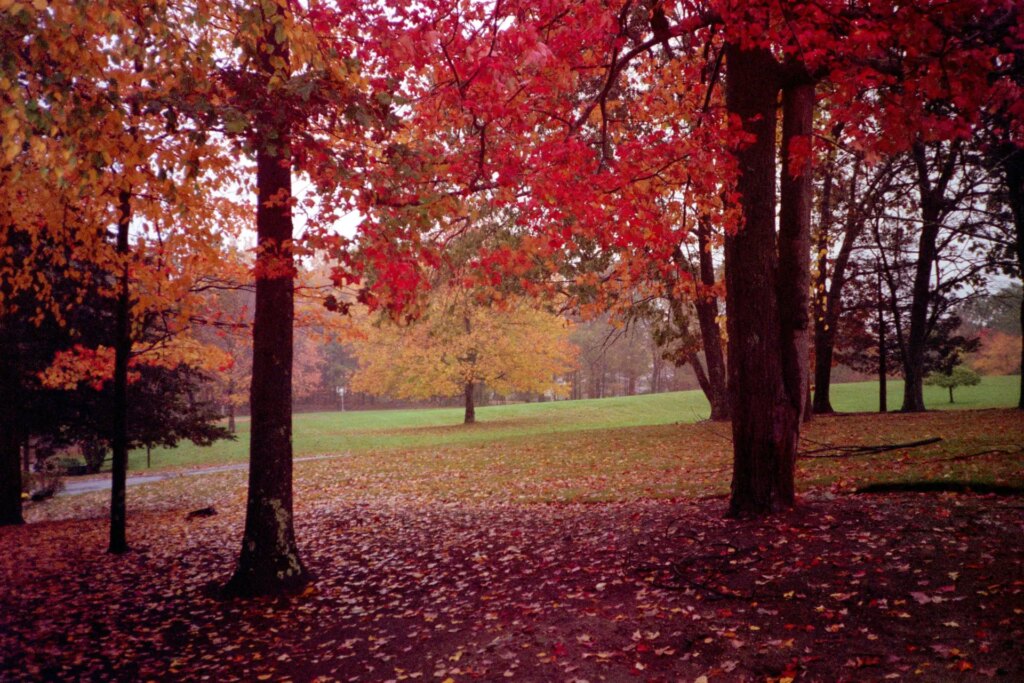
[
  {"x": 1013, "y": 167},
  {"x": 269, "y": 562},
  {"x": 122, "y": 350},
  {"x": 470, "y": 417},
  {"x": 763, "y": 417},
  {"x": 710, "y": 332},
  {"x": 10, "y": 442},
  {"x": 794, "y": 276}
]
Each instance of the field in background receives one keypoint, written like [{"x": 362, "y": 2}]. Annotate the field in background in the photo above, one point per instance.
[{"x": 361, "y": 431}]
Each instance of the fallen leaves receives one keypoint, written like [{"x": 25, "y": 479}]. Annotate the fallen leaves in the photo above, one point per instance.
[
  {"x": 413, "y": 602},
  {"x": 422, "y": 580}
]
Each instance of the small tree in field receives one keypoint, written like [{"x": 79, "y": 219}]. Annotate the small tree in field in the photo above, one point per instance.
[
  {"x": 460, "y": 344},
  {"x": 959, "y": 376}
]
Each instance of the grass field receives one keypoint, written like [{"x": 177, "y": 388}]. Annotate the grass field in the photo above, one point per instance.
[{"x": 361, "y": 431}]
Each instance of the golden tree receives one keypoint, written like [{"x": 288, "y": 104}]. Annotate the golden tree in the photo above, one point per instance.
[{"x": 460, "y": 343}]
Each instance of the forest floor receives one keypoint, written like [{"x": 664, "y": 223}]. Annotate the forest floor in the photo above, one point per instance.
[{"x": 598, "y": 556}]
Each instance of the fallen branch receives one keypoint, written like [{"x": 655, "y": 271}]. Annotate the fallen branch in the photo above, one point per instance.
[
  {"x": 831, "y": 451},
  {"x": 943, "y": 487},
  {"x": 994, "y": 451}
]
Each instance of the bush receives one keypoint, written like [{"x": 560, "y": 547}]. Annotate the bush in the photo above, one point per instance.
[
  {"x": 65, "y": 465},
  {"x": 43, "y": 484}
]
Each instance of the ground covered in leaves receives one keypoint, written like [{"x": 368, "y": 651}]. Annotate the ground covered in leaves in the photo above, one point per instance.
[{"x": 445, "y": 575}]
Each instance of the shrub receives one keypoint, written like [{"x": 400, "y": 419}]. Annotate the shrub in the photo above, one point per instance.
[{"x": 43, "y": 484}]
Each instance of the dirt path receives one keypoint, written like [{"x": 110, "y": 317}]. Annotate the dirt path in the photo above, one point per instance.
[{"x": 75, "y": 486}]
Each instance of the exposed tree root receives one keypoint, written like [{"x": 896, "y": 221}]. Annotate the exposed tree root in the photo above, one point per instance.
[{"x": 853, "y": 450}]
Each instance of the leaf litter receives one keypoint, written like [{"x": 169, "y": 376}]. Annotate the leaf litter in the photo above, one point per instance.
[{"x": 418, "y": 587}]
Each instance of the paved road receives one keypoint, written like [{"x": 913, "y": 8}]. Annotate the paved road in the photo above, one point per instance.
[{"x": 74, "y": 486}]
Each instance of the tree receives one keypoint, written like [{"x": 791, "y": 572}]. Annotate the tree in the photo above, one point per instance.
[
  {"x": 459, "y": 345},
  {"x": 998, "y": 311},
  {"x": 959, "y": 376},
  {"x": 269, "y": 559},
  {"x": 998, "y": 354},
  {"x": 298, "y": 101},
  {"x": 572, "y": 118},
  {"x": 846, "y": 190},
  {"x": 164, "y": 404},
  {"x": 91, "y": 100},
  {"x": 764, "y": 309}
]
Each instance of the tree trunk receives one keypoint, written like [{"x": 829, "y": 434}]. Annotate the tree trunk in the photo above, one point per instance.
[
  {"x": 913, "y": 369},
  {"x": 1013, "y": 167},
  {"x": 951, "y": 394},
  {"x": 656, "y": 364},
  {"x": 702, "y": 378},
  {"x": 10, "y": 443},
  {"x": 231, "y": 406},
  {"x": 932, "y": 197},
  {"x": 763, "y": 417},
  {"x": 710, "y": 332},
  {"x": 794, "y": 275},
  {"x": 269, "y": 562},
  {"x": 883, "y": 354},
  {"x": 827, "y": 320},
  {"x": 822, "y": 404},
  {"x": 470, "y": 405},
  {"x": 122, "y": 351}
]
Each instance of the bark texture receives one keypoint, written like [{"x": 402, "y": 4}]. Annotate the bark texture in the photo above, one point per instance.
[
  {"x": 762, "y": 413},
  {"x": 1013, "y": 167},
  {"x": 710, "y": 332},
  {"x": 269, "y": 562},
  {"x": 122, "y": 350},
  {"x": 470, "y": 417},
  {"x": 794, "y": 276}
]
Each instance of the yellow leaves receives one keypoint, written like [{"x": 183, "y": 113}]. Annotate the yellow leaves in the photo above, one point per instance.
[
  {"x": 510, "y": 348},
  {"x": 16, "y": 7}
]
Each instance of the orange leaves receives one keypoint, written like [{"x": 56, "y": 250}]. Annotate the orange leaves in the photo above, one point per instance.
[
  {"x": 95, "y": 366},
  {"x": 79, "y": 365},
  {"x": 999, "y": 354}
]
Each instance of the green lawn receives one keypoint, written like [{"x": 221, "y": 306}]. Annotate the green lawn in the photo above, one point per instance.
[
  {"x": 362, "y": 431},
  {"x": 993, "y": 392}
]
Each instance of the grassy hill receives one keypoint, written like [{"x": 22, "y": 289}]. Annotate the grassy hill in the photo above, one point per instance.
[{"x": 333, "y": 432}]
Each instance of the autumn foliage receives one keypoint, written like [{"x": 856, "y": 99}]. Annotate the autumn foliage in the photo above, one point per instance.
[
  {"x": 568, "y": 148},
  {"x": 459, "y": 343}
]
